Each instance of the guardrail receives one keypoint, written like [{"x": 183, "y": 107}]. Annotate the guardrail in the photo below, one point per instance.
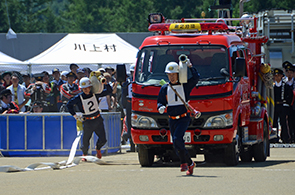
[{"x": 51, "y": 134}]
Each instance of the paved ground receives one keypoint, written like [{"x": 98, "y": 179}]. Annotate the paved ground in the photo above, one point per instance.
[{"x": 275, "y": 176}]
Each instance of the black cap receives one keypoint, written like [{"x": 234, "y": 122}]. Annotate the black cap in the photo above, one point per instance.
[
  {"x": 286, "y": 63},
  {"x": 290, "y": 67},
  {"x": 39, "y": 76},
  {"x": 72, "y": 65},
  {"x": 278, "y": 71},
  {"x": 71, "y": 74},
  {"x": 5, "y": 92},
  {"x": 26, "y": 75},
  {"x": 6, "y": 73},
  {"x": 37, "y": 104}
]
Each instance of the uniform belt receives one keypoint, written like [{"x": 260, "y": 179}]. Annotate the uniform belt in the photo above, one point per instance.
[
  {"x": 179, "y": 116},
  {"x": 91, "y": 118}
]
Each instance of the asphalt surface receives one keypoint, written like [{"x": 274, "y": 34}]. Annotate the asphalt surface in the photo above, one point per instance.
[{"x": 124, "y": 175}]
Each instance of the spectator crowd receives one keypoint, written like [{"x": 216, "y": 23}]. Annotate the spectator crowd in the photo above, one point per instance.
[{"x": 44, "y": 92}]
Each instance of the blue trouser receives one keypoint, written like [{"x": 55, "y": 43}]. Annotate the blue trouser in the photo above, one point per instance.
[
  {"x": 177, "y": 129},
  {"x": 90, "y": 126}
]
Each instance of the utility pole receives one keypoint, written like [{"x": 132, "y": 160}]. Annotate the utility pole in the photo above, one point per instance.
[{"x": 242, "y": 6}]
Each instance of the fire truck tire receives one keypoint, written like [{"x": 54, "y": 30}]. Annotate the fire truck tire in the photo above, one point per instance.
[
  {"x": 232, "y": 154},
  {"x": 260, "y": 150},
  {"x": 145, "y": 156}
]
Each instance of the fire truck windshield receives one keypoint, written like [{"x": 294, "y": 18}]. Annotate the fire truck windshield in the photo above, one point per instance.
[{"x": 207, "y": 59}]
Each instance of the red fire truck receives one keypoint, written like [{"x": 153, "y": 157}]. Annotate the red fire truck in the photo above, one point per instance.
[{"x": 232, "y": 94}]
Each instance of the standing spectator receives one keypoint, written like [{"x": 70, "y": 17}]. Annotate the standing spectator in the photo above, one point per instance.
[
  {"x": 105, "y": 101},
  {"x": 73, "y": 68},
  {"x": 87, "y": 71},
  {"x": 37, "y": 91},
  {"x": 18, "y": 92},
  {"x": 64, "y": 76},
  {"x": 45, "y": 77},
  {"x": 68, "y": 90},
  {"x": 289, "y": 70},
  {"x": 37, "y": 107},
  {"x": 179, "y": 117},
  {"x": 110, "y": 70},
  {"x": 26, "y": 80},
  {"x": 56, "y": 84},
  {"x": 6, "y": 76},
  {"x": 283, "y": 96},
  {"x": 7, "y": 105},
  {"x": 126, "y": 103},
  {"x": 80, "y": 74},
  {"x": 101, "y": 70}
]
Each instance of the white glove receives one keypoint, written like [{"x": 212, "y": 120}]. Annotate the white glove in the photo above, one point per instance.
[{"x": 162, "y": 109}]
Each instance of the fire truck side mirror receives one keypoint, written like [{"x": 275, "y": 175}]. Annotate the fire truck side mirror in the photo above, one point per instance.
[
  {"x": 240, "y": 67},
  {"x": 121, "y": 72}
]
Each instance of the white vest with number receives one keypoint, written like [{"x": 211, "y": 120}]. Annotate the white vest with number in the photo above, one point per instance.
[
  {"x": 90, "y": 105},
  {"x": 172, "y": 98}
]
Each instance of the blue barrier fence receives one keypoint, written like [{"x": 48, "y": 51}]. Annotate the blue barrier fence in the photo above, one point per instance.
[{"x": 51, "y": 134}]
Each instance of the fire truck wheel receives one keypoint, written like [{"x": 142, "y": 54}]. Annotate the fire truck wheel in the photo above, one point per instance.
[
  {"x": 232, "y": 151},
  {"x": 145, "y": 156},
  {"x": 260, "y": 149}
]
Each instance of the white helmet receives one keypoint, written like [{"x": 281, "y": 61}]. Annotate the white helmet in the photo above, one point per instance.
[
  {"x": 172, "y": 67},
  {"x": 85, "y": 82},
  {"x": 132, "y": 67}
]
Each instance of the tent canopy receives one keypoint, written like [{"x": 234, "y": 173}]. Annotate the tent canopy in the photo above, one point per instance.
[
  {"x": 88, "y": 49},
  {"x": 8, "y": 63}
]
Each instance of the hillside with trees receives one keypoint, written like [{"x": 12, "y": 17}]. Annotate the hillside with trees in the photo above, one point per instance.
[{"x": 97, "y": 16}]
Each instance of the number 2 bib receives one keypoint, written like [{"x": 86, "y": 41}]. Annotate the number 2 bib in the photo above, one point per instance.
[{"x": 90, "y": 105}]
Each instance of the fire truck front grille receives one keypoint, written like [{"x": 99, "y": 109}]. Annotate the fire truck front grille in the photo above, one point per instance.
[
  {"x": 202, "y": 138},
  {"x": 158, "y": 138}
]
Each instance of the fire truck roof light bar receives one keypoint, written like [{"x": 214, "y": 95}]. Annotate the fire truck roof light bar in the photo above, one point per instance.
[
  {"x": 187, "y": 27},
  {"x": 213, "y": 19}
]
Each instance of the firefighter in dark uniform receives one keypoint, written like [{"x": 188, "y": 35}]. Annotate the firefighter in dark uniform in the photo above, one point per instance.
[
  {"x": 87, "y": 103},
  {"x": 289, "y": 71},
  {"x": 126, "y": 102},
  {"x": 179, "y": 117},
  {"x": 283, "y": 96}
]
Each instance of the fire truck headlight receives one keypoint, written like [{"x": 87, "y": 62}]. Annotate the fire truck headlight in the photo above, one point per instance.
[
  {"x": 140, "y": 121},
  {"x": 220, "y": 121}
]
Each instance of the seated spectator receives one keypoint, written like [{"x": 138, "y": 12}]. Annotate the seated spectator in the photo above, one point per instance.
[
  {"x": 18, "y": 92},
  {"x": 37, "y": 107},
  {"x": 37, "y": 91},
  {"x": 26, "y": 80},
  {"x": 7, "y": 105},
  {"x": 64, "y": 76},
  {"x": 6, "y": 76},
  {"x": 68, "y": 90}
]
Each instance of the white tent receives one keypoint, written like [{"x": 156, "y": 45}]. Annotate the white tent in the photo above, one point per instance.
[
  {"x": 8, "y": 63},
  {"x": 87, "y": 49}
]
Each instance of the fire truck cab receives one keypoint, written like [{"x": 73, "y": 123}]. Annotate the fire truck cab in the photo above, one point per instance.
[{"x": 231, "y": 94}]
